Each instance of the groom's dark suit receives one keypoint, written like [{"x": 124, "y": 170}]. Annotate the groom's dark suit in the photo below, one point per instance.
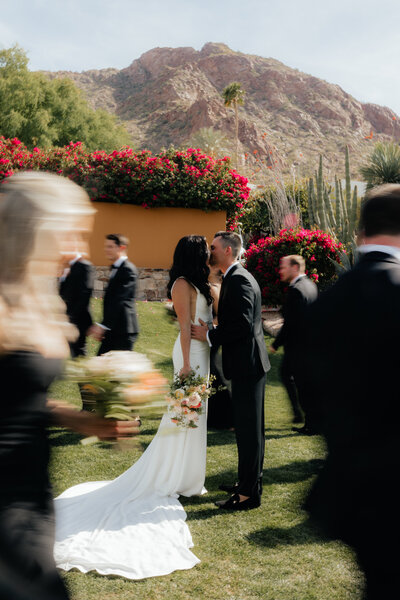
[
  {"x": 119, "y": 310},
  {"x": 245, "y": 362},
  {"x": 354, "y": 358},
  {"x": 76, "y": 290}
]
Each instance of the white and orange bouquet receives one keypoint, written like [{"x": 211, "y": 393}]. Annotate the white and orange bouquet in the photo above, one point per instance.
[
  {"x": 118, "y": 384},
  {"x": 187, "y": 399}
]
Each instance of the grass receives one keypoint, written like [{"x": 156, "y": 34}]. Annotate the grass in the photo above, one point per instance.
[{"x": 272, "y": 553}]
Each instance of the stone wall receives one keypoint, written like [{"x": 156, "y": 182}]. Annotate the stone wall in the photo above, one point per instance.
[{"x": 152, "y": 283}]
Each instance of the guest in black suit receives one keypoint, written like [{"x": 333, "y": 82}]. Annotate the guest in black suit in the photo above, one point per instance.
[
  {"x": 302, "y": 292},
  {"x": 354, "y": 362},
  {"x": 119, "y": 328},
  {"x": 244, "y": 361},
  {"x": 76, "y": 286}
]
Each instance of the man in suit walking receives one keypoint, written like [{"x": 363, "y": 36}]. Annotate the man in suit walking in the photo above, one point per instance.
[
  {"x": 119, "y": 327},
  {"x": 76, "y": 286},
  {"x": 244, "y": 362},
  {"x": 353, "y": 353},
  {"x": 302, "y": 292}
]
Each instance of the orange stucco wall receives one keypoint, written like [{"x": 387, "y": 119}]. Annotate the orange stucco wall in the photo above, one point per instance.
[{"x": 153, "y": 233}]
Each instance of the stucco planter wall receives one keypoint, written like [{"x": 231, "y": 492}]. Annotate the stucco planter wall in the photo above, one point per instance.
[{"x": 153, "y": 232}]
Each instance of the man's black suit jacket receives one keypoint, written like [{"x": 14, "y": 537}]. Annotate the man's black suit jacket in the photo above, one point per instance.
[
  {"x": 76, "y": 290},
  {"x": 119, "y": 310},
  {"x": 353, "y": 358},
  {"x": 299, "y": 295},
  {"x": 240, "y": 331}
]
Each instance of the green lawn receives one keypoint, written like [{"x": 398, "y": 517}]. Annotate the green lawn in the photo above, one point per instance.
[{"x": 271, "y": 553}]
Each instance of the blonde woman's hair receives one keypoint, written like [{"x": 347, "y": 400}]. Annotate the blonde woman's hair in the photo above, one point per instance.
[{"x": 35, "y": 209}]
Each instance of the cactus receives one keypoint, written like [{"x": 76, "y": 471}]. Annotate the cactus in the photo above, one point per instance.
[{"x": 339, "y": 220}]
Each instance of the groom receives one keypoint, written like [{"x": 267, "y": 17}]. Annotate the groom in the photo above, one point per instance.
[{"x": 244, "y": 361}]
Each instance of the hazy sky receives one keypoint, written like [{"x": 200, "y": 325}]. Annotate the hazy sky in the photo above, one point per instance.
[{"x": 354, "y": 43}]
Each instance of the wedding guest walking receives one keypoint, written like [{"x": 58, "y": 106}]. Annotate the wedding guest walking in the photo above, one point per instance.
[
  {"x": 245, "y": 362},
  {"x": 76, "y": 287},
  {"x": 119, "y": 327},
  {"x": 353, "y": 354},
  {"x": 301, "y": 293},
  {"x": 38, "y": 214}
]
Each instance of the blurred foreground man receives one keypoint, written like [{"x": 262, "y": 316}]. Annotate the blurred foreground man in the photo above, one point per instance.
[{"x": 354, "y": 362}]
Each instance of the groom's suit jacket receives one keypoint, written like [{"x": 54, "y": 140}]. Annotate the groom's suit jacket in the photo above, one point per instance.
[
  {"x": 353, "y": 356},
  {"x": 239, "y": 330}
]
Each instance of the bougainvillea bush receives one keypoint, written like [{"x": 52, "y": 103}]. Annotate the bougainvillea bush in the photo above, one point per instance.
[
  {"x": 319, "y": 250},
  {"x": 188, "y": 179}
]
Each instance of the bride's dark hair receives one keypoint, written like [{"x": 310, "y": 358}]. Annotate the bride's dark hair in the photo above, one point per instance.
[{"x": 190, "y": 261}]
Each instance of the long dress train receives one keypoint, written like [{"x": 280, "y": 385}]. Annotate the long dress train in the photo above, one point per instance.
[{"x": 134, "y": 526}]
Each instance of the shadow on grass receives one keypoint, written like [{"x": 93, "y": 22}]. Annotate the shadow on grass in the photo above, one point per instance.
[
  {"x": 293, "y": 472},
  {"x": 62, "y": 437},
  {"x": 304, "y": 533}
]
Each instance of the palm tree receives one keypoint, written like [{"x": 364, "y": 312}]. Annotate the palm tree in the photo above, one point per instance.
[
  {"x": 210, "y": 140},
  {"x": 233, "y": 95},
  {"x": 383, "y": 165}
]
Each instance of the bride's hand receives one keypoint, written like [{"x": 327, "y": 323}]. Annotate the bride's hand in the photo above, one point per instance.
[{"x": 185, "y": 371}]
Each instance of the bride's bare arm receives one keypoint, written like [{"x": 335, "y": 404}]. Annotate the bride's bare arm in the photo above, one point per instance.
[{"x": 181, "y": 294}]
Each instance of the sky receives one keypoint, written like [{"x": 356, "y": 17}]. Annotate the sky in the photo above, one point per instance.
[{"x": 352, "y": 43}]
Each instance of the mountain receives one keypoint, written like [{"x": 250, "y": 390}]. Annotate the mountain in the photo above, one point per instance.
[{"x": 288, "y": 118}]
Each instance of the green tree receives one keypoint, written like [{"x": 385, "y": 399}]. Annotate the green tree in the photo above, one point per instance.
[
  {"x": 233, "y": 95},
  {"x": 50, "y": 112},
  {"x": 383, "y": 165}
]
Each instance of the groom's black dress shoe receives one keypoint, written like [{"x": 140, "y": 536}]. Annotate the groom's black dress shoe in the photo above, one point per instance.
[
  {"x": 233, "y": 503},
  {"x": 231, "y": 489}
]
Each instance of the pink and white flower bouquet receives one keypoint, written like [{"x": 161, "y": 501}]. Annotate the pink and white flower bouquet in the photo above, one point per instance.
[{"x": 187, "y": 398}]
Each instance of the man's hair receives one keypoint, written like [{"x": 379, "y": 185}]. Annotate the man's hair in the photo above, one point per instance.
[
  {"x": 298, "y": 261},
  {"x": 118, "y": 238},
  {"x": 232, "y": 239},
  {"x": 380, "y": 211}
]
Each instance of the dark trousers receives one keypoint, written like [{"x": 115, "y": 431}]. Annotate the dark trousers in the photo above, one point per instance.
[
  {"x": 27, "y": 566},
  {"x": 117, "y": 342},
  {"x": 288, "y": 381},
  {"x": 248, "y": 413}
]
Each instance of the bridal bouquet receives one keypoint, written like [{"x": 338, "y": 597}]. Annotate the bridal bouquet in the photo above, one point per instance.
[
  {"x": 187, "y": 399},
  {"x": 118, "y": 383}
]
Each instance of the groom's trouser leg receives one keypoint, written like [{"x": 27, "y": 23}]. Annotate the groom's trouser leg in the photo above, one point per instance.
[{"x": 248, "y": 407}]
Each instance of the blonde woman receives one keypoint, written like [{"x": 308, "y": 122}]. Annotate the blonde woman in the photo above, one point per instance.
[{"x": 41, "y": 215}]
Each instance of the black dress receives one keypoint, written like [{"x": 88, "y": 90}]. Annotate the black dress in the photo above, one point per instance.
[{"x": 27, "y": 567}]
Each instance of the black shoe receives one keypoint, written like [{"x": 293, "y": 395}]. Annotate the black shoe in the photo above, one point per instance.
[
  {"x": 233, "y": 503},
  {"x": 304, "y": 430},
  {"x": 231, "y": 489},
  {"x": 297, "y": 419}
]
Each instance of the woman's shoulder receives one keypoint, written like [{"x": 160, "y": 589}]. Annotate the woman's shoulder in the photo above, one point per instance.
[{"x": 181, "y": 284}]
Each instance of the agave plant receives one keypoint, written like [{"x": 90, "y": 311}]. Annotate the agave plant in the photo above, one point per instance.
[{"x": 383, "y": 165}]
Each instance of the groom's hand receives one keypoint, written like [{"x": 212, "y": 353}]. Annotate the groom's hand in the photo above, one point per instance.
[{"x": 199, "y": 332}]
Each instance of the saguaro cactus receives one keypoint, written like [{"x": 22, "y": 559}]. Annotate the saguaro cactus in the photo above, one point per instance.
[{"x": 331, "y": 210}]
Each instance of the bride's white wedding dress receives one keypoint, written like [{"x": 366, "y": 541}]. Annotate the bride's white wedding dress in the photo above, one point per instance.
[{"x": 134, "y": 526}]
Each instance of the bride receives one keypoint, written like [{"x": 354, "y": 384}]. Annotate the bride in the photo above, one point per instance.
[{"x": 134, "y": 526}]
